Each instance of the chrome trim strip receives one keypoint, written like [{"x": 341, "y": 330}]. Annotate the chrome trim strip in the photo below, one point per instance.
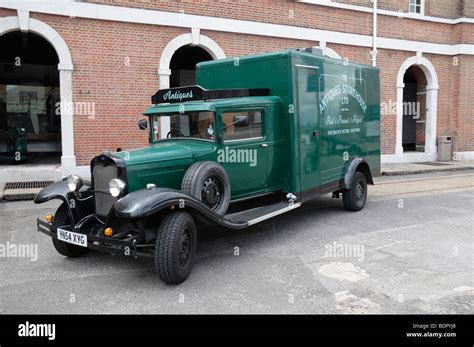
[
  {"x": 246, "y": 139},
  {"x": 273, "y": 214},
  {"x": 307, "y": 66}
]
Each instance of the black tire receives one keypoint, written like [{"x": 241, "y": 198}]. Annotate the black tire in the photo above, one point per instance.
[
  {"x": 354, "y": 198},
  {"x": 62, "y": 218},
  {"x": 175, "y": 247},
  {"x": 208, "y": 181}
]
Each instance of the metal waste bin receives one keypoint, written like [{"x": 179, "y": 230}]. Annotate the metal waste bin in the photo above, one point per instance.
[{"x": 444, "y": 148}]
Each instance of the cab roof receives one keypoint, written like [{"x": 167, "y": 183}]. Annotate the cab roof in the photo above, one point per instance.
[{"x": 211, "y": 105}]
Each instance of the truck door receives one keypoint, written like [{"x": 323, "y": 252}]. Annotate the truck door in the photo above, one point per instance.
[
  {"x": 244, "y": 150},
  {"x": 308, "y": 125}
]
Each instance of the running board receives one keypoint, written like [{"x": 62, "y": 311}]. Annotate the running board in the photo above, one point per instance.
[{"x": 259, "y": 214}]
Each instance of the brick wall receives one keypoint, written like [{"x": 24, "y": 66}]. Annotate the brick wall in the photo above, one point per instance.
[
  {"x": 468, "y": 8},
  {"x": 435, "y": 8},
  {"x": 303, "y": 15},
  {"x": 463, "y": 128},
  {"x": 115, "y": 66},
  {"x": 6, "y": 12},
  {"x": 390, "y": 5}
]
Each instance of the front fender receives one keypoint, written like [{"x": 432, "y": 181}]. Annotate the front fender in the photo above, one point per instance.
[
  {"x": 60, "y": 191},
  {"x": 146, "y": 202}
]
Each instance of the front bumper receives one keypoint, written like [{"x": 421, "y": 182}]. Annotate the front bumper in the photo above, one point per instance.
[{"x": 103, "y": 244}]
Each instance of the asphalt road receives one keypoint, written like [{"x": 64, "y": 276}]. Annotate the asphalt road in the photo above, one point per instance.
[{"x": 409, "y": 251}]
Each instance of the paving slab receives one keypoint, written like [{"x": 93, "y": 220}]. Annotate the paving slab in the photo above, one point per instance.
[
  {"x": 425, "y": 167},
  {"x": 20, "y": 194}
]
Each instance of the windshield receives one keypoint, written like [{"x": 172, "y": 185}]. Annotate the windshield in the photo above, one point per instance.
[{"x": 197, "y": 124}]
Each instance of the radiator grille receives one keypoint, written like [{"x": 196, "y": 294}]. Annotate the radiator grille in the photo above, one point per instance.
[{"x": 102, "y": 175}]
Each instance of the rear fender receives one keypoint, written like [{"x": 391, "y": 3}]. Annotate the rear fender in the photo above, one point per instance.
[{"x": 357, "y": 164}]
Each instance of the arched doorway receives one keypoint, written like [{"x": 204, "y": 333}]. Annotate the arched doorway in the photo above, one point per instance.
[
  {"x": 30, "y": 124},
  {"x": 417, "y": 84},
  {"x": 184, "y": 50},
  {"x": 183, "y": 65},
  {"x": 25, "y": 24},
  {"x": 414, "y": 110}
]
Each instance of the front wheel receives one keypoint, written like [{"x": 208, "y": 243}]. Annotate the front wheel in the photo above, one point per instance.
[
  {"x": 355, "y": 197},
  {"x": 175, "y": 247}
]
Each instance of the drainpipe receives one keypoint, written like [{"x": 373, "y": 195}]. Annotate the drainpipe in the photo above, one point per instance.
[{"x": 374, "y": 31}]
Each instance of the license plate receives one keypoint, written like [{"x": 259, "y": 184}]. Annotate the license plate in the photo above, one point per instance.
[{"x": 73, "y": 238}]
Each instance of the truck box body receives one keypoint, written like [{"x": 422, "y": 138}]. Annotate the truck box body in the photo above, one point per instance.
[{"x": 330, "y": 112}]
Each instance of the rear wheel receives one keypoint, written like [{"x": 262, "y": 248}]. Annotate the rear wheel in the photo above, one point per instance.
[
  {"x": 61, "y": 218},
  {"x": 175, "y": 247},
  {"x": 354, "y": 198},
  {"x": 208, "y": 181}
]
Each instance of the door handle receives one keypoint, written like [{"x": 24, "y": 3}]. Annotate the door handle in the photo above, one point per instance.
[{"x": 264, "y": 145}]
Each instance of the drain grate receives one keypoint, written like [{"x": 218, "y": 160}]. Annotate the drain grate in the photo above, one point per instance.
[
  {"x": 27, "y": 185},
  {"x": 434, "y": 163}
]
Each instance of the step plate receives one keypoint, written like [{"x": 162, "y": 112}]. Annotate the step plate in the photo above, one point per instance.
[{"x": 259, "y": 214}]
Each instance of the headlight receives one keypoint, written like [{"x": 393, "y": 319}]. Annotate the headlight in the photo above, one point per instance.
[
  {"x": 116, "y": 186},
  {"x": 74, "y": 183}
]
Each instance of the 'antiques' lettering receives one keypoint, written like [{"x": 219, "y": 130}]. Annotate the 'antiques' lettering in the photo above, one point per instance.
[{"x": 177, "y": 95}]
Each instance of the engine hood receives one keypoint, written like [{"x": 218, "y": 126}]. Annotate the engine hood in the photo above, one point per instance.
[
  {"x": 167, "y": 151},
  {"x": 165, "y": 162}
]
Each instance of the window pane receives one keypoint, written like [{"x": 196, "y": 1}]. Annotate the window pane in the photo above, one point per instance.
[
  {"x": 34, "y": 109},
  {"x": 199, "y": 125},
  {"x": 414, "y": 6},
  {"x": 241, "y": 125}
]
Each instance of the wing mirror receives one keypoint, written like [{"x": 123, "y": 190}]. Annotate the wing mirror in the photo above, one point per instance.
[{"x": 142, "y": 124}]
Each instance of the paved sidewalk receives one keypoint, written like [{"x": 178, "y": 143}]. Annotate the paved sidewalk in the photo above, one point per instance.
[
  {"x": 426, "y": 167},
  {"x": 26, "y": 173}
]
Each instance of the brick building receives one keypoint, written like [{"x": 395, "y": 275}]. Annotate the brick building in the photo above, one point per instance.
[{"x": 104, "y": 59}]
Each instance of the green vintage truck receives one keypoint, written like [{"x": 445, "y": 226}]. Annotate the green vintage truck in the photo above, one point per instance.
[{"x": 256, "y": 137}]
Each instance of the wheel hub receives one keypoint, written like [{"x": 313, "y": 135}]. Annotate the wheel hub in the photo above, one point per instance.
[
  {"x": 359, "y": 190},
  {"x": 211, "y": 192},
  {"x": 185, "y": 248}
]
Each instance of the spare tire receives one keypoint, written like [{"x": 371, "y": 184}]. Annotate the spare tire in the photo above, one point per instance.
[{"x": 208, "y": 181}]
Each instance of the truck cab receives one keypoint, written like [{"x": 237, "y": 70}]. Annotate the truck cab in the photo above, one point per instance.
[{"x": 242, "y": 134}]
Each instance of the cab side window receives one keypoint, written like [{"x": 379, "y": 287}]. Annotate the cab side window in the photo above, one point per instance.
[{"x": 241, "y": 125}]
